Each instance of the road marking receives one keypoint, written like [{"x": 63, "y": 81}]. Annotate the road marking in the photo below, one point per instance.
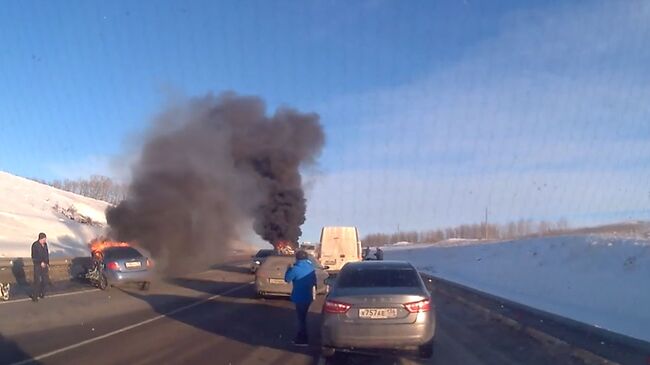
[
  {"x": 51, "y": 296},
  {"x": 130, "y": 327}
]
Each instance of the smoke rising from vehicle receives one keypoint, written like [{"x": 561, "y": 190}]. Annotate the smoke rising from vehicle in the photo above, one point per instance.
[{"x": 210, "y": 166}]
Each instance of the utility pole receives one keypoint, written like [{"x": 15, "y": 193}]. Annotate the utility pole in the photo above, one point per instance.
[{"x": 486, "y": 223}]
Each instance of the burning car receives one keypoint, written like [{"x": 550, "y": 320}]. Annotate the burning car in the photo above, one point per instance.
[{"x": 116, "y": 263}]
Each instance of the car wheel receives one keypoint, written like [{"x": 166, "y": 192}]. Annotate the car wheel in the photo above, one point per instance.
[
  {"x": 426, "y": 351},
  {"x": 145, "y": 285},
  {"x": 103, "y": 283},
  {"x": 327, "y": 352}
]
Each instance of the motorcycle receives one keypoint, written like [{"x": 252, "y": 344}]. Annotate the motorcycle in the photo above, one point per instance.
[{"x": 96, "y": 274}]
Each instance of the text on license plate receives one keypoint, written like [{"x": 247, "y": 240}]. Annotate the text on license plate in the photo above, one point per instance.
[
  {"x": 276, "y": 281},
  {"x": 132, "y": 264},
  {"x": 377, "y": 313}
]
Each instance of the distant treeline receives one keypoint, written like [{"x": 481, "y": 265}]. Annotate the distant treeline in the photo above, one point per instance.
[
  {"x": 518, "y": 229},
  {"x": 96, "y": 187}
]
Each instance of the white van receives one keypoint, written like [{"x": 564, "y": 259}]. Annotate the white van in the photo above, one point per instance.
[{"x": 338, "y": 246}]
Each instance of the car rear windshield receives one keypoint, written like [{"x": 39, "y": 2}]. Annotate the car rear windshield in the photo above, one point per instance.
[
  {"x": 119, "y": 253},
  {"x": 264, "y": 253},
  {"x": 378, "y": 277}
]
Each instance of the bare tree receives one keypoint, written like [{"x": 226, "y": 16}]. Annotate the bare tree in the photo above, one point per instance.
[
  {"x": 510, "y": 230},
  {"x": 96, "y": 187}
]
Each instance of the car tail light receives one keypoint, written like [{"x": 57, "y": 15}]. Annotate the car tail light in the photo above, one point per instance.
[
  {"x": 418, "y": 307},
  {"x": 335, "y": 307},
  {"x": 113, "y": 265},
  {"x": 149, "y": 263}
]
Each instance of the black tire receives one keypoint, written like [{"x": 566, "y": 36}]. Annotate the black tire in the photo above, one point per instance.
[
  {"x": 426, "y": 351},
  {"x": 103, "y": 283},
  {"x": 145, "y": 285}
]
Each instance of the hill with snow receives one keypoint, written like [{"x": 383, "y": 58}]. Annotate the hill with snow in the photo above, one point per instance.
[
  {"x": 600, "y": 280},
  {"x": 28, "y": 207}
]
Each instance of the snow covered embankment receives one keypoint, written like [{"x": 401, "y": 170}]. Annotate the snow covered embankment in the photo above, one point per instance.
[
  {"x": 597, "y": 280},
  {"x": 28, "y": 207}
]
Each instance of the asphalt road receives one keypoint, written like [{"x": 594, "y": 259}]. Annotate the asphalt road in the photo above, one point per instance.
[{"x": 214, "y": 318}]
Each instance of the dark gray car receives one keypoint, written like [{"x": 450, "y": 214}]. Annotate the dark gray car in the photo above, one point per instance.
[{"x": 378, "y": 305}]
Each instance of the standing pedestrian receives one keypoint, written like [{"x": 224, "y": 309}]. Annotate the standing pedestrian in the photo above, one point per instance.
[
  {"x": 41, "y": 260},
  {"x": 303, "y": 277},
  {"x": 379, "y": 254}
]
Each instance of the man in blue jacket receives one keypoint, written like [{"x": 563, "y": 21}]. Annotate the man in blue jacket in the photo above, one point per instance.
[{"x": 303, "y": 277}]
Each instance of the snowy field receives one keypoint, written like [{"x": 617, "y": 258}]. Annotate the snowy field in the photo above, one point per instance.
[
  {"x": 27, "y": 208},
  {"x": 603, "y": 281}
]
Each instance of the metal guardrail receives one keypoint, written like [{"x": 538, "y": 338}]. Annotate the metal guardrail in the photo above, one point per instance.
[{"x": 605, "y": 344}]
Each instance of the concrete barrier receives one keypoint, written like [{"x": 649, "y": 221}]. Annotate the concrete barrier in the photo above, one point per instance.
[{"x": 20, "y": 270}]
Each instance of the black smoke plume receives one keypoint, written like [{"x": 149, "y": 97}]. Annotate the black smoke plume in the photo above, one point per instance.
[{"x": 210, "y": 166}]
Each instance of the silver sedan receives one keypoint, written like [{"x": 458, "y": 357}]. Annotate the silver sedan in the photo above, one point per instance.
[
  {"x": 269, "y": 279},
  {"x": 378, "y": 305}
]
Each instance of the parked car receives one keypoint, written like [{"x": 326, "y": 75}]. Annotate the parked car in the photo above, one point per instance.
[
  {"x": 259, "y": 258},
  {"x": 269, "y": 280},
  {"x": 122, "y": 265},
  {"x": 378, "y": 305},
  {"x": 309, "y": 248}
]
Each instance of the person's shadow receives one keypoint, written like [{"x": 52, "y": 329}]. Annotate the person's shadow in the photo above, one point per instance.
[
  {"x": 11, "y": 353},
  {"x": 18, "y": 270},
  {"x": 260, "y": 323}
]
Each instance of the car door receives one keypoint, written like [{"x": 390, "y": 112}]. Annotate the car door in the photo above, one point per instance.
[{"x": 321, "y": 274}]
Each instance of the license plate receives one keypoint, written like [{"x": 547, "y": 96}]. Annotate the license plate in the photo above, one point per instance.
[
  {"x": 377, "y": 313},
  {"x": 130, "y": 265},
  {"x": 276, "y": 281}
]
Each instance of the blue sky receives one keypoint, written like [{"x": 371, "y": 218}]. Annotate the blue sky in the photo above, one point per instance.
[{"x": 433, "y": 110}]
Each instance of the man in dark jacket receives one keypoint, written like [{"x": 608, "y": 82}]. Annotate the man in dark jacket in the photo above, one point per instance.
[
  {"x": 41, "y": 260},
  {"x": 303, "y": 277},
  {"x": 379, "y": 254}
]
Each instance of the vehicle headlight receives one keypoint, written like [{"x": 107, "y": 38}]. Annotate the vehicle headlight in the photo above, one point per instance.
[{"x": 257, "y": 262}]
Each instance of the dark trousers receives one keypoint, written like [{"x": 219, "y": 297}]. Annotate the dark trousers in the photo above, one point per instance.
[
  {"x": 301, "y": 310},
  {"x": 41, "y": 278}
]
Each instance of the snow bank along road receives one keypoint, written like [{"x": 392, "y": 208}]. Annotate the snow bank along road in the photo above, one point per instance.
[
  {"x": 213, "y": 318},
  {"x": 601, "y": 281}
]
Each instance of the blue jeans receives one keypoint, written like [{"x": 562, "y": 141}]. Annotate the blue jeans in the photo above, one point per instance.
[{"x": 301, "y": 310}]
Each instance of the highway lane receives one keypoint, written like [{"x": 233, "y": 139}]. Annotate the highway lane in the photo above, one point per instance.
[{"x": 214, "y": 318}]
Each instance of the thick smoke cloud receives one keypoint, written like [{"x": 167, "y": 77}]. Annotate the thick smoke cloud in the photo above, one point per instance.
[{"x": 210, "y": 166}]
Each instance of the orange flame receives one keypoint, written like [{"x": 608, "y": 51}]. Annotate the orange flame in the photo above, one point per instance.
[
  {"x": 98, "y": 245},
  {"x": 284, "y": 247}
]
